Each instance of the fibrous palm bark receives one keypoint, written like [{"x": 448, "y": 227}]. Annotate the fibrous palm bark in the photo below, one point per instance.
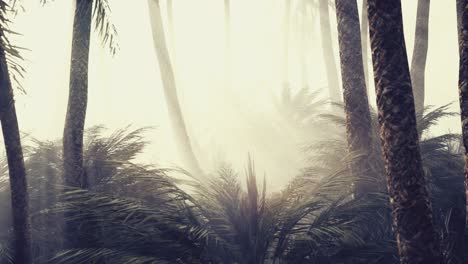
[
  {"x": 358, "y": 119},
  {"x": 16, "y": 168},
  {"x": 77, "y": 97},
  {"x": 329, "y": 56},
  {"x": 462, "y": 21},
  {"x": 418, "y": 62},
  {"x": 411, "y": 209},
  {"x": 170, "y": 89}
]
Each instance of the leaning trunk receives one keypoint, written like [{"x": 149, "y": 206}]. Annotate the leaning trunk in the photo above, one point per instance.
[
  {"x": 77, "y": 97},
  {"x": 358, "y": 119},
  {"x": 411, "y": 209},
  {"x": 16, "y": 169},
  {"x": 170, "y": 89},
  {"x": 418, "y": 63},
  {"x": 329, "y": 57}
]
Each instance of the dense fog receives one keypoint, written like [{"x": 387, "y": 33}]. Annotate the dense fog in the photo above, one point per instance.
[{"x": 229, "y": 109}]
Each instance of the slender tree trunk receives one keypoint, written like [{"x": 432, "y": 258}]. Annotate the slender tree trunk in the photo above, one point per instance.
[
  {"x": 329, "y": 56},
  {"x": 286, "y": 35},
  {"x": 170, "y": 89},
  {"x": 16, "y": 168},
  {"x": 418, "y": 63},
  {"x": 412, "y": 214},
  {"x": 358, "y": 119},
  {"x": 365, "y": 42},
  {"x": 459, "y": 227},
  {"x": 170, "y": 19},
  {"x": 77, "y": 97}
]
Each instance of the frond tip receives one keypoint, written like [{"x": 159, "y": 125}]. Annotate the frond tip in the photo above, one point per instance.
[{"x": 104, "y": 25}]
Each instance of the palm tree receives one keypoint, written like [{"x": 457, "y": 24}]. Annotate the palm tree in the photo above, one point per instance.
[
  {"x": 418, "y": 63},
  {"x": 170, "y": 89},
  {"x": 358, "y": 119},
  {"x": 329, "y": 57},
  {"x": 78, "y": 96},
  {"x": 411, "y": 209},
  {"x": 78, "y": 91},
  {"x": 462, "y": 19},
  {"x": 14, "y": 151}
]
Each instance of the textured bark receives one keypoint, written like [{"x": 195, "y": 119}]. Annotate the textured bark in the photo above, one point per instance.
[
  {"x": 418, "y": 62},
  {"x": 328, "y": 54},
  {"x": 365, "y": 41},
  {"x": 413, "y": 223},
  {"x": 462, "y": 25},
  {"x": 170, "y": 89},
  {"x": 77, "y": 97},
  {"x": 356, "y": 104},
  {"x": 16, "y": 169}
]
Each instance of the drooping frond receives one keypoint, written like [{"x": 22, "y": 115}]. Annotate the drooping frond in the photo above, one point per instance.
[{"x": 104, "y": 25}]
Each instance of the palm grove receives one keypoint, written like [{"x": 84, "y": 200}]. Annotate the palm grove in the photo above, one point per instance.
[{"x": 378, "y": 187}]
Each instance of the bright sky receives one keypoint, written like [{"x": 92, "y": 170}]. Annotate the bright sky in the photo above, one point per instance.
[{"x": 126, "y": 89}]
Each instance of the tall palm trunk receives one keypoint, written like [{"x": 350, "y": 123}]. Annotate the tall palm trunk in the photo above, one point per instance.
[
  {"x": 77, "y": 97},
  {"x": 358, "y": 119},
  {"x": 411, "y": 209},
  {"x": 329, "y": 56},
  {"x": 16, "y": 169},
  {"x": 418, "y": 63},
  {"x": 462, "y": 19},
  {"x": 365, "y": 42},
  {"x": 170, "y": 89}
]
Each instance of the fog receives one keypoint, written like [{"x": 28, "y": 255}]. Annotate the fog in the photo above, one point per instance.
[{"x": 227, "y": 99}]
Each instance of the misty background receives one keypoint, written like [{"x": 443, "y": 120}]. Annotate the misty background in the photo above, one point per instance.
[{"x": 228, "y": 102}]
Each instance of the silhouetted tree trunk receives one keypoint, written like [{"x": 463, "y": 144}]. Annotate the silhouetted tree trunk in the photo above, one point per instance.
[
  {"x": 77, "y": 97},
  {"x": 459, "y": 226},
  {"x": 418, "y": 62},
  {"x": 412, "y": 214},
  {"x": 170, "y": 89},
  {"x": 329, "y": 56},
  {"x": 365, "y": 42},
  {"x": 16, "y": 169},
  {"x": 358, "y": 119}
]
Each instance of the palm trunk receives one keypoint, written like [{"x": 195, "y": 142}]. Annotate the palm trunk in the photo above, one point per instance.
[
  {"x": 418, "y": 63},
  {"x": 329, "y": 57},
  {"x": 358, "y": 119},
  {"x": 16, "y": 168},
  {"x": 365, "y": 42},
  {"x": 78, "y": 97},
  {"x": 170, "y": 89},
  {"x": 412, "y": 214},
  {"x": 462, "y": 21}
]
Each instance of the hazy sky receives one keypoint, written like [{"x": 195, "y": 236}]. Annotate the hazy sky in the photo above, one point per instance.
[{"x": 126, "y": 89}]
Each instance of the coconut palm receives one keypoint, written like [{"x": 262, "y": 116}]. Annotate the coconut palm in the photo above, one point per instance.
[
  {"x": 12, "y": 142},
  {"x": 462, "y": 17},
  {"x": 412, "y": 214},
  {"x": 170, "y": 90},
  {"x": 358, "y": 120},
  {"x": 85, "y": 11}
]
